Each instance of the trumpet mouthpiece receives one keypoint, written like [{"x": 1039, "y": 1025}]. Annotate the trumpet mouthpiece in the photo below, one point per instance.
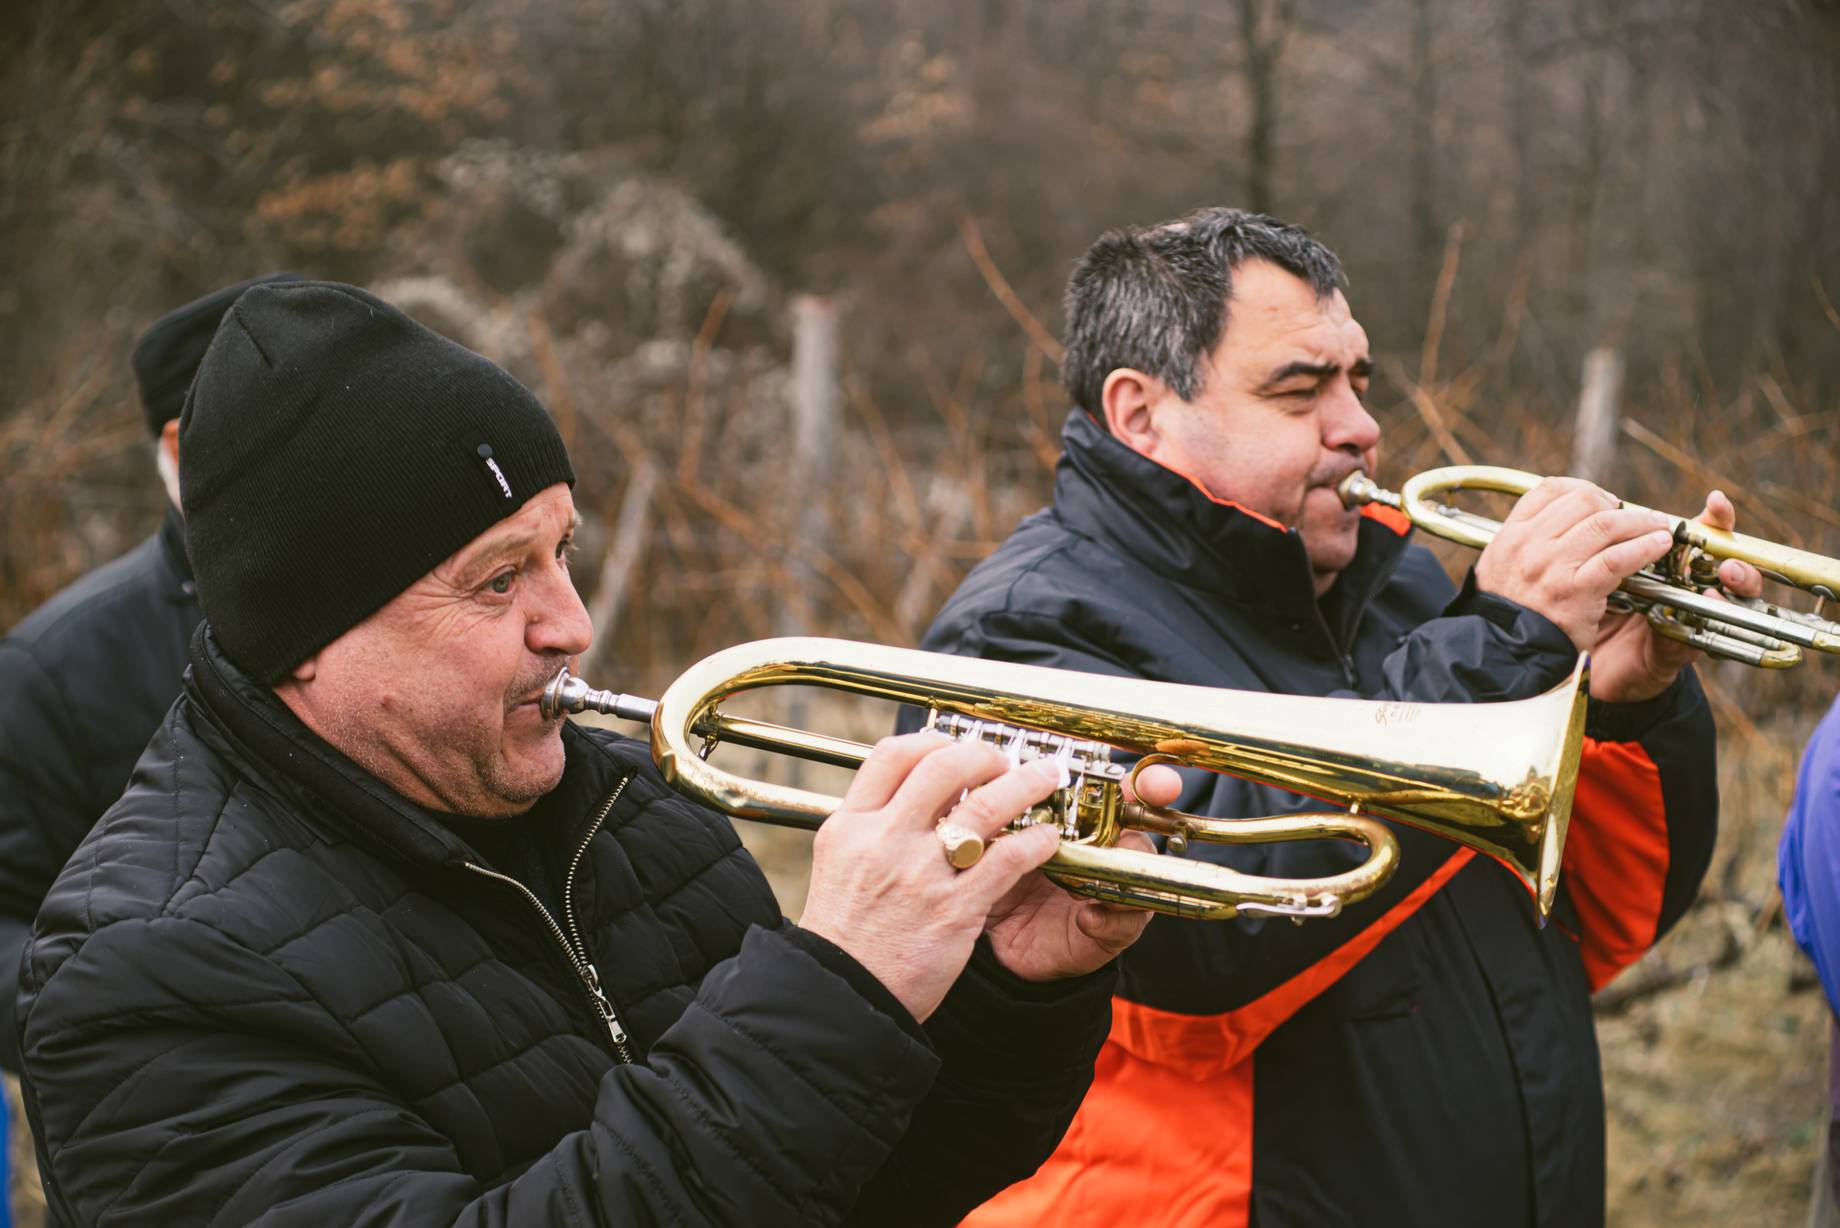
[{"x": 1357, "y": 490}]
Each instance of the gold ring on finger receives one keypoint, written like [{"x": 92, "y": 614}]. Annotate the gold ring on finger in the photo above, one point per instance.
[{"x": 962, "y": 846}]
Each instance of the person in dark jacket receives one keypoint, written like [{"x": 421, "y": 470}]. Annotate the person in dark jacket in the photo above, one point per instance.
[
  {"x": 1426, "y": 1057},
  {"x": 371, "y": 939},
  {"x": 87, "y": 676}
]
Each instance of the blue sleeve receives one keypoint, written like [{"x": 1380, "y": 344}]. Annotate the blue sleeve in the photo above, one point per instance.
[{"x": 1808, "y": 860}]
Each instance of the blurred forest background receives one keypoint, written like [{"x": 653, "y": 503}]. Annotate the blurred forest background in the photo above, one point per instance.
[{"x": 628, "y": 205}]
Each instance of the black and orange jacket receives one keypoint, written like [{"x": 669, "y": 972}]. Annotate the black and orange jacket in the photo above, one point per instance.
[{"x": 1427, "y": 1057}]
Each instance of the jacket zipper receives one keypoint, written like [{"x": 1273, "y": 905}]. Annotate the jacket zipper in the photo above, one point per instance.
[
  {"x": 571, "y": 942},
  {"x": 1342, "y": 656},
  {"x": 1354, "y": 637}
]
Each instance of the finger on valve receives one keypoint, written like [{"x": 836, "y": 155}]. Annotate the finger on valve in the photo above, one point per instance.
[
  {"x": 890, "y": 762},
  {"x": 952, "y": 776}
]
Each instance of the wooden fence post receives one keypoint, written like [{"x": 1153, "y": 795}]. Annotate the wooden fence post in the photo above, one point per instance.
[
  {"x": 814, "y": 428},
  {"x": 1594, "y": 436},
  {"x": 618, "y": 566}
]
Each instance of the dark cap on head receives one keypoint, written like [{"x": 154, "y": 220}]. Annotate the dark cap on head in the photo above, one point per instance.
[
  {"x": 167, "y": 354},
  {"x": 332, "y": 452}
]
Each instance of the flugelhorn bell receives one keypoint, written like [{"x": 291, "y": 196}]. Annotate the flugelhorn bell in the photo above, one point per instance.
[{"x": 1496, "y": 777}]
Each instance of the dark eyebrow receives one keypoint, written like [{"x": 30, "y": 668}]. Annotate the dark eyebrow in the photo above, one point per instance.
[
  {"x": 1292, "y": 370},
  {"x": 1319, "y": 370}
]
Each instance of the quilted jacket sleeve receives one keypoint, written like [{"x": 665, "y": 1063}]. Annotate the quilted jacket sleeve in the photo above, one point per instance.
[{"x": 773, "y": 1100}]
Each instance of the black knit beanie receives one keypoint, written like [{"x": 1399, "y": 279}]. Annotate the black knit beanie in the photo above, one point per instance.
[
  {"x": 166, "y": 356},
  {"x": 332, "y": 451}
]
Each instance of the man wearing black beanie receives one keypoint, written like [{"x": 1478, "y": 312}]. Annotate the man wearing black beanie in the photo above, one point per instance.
[
  {"x": 369, "y": 938},
  {"x": 87, "y": 676}
]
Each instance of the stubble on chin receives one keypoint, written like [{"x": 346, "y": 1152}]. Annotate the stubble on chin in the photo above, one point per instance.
[
  {"x": 1331, "y": 533},
  {"x": 524, "y": 770}
]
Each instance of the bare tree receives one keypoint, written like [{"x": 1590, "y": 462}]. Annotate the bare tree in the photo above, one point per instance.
[
  {"x": 1265, "y": 27},
  {"x": 1427, "y": 223}
]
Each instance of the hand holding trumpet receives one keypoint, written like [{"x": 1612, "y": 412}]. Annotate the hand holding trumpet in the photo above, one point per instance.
[
  {"x": 1567, "y": 546},
  {"x": 1632, "y": 661},
  {"x": 1566, "y": 540}
]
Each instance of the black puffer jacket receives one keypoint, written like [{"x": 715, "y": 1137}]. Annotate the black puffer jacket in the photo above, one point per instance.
[
  {"x": 85, "y": 679},
  {"x": 266, "y": 989},
  {"x": 1426, "y": 1057}
]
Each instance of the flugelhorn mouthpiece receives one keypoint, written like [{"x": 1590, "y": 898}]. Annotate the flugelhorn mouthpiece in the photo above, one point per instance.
[{"x": 566, "y": 693}]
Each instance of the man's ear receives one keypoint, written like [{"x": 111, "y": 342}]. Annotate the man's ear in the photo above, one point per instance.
[
  {"x": 166, "y": 459},
  {"x": 1130, "y": 399},
  {"x": 291, "y": 690}
]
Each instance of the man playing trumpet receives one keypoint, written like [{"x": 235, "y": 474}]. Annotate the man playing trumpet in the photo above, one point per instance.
[
  {"x": 1428, "y": 1056},
  {"x": 369, "y": 939}
]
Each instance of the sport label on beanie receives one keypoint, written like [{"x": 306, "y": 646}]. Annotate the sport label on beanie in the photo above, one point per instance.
[{"x": 485, "y": 454}]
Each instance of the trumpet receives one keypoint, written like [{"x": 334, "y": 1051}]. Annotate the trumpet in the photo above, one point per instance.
[
  {"x": 1495, "y": 777},
  {"x": 1669, "y": 592}
]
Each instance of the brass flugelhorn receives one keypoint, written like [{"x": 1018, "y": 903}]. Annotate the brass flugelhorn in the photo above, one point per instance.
[
  {"x": 1669, "y": 592},
  {"x": 1496, "y": 777}
]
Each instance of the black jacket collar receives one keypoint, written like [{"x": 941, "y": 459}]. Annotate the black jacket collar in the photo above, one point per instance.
[
  {"x": 1162, "y": 520},
  {"x": 247, "y": 723}
]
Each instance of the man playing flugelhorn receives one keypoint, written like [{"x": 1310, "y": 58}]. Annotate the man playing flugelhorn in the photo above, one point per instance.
[
  {"x": 1428, "y": 1056},
  {"x": 372, "y": 939}
]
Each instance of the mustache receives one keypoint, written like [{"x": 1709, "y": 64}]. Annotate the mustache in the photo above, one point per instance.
[
  {"x": 529, "y": 685},
  {"x": 1331, "y": 473}
]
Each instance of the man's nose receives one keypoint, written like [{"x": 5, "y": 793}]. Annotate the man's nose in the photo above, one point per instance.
[
  {"x": 1347, "y": 426},
  {"x": 558, "y": 622}
]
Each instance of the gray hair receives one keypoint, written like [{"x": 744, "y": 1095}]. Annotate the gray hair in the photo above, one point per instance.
[{"x": 1154, "y": 298}]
